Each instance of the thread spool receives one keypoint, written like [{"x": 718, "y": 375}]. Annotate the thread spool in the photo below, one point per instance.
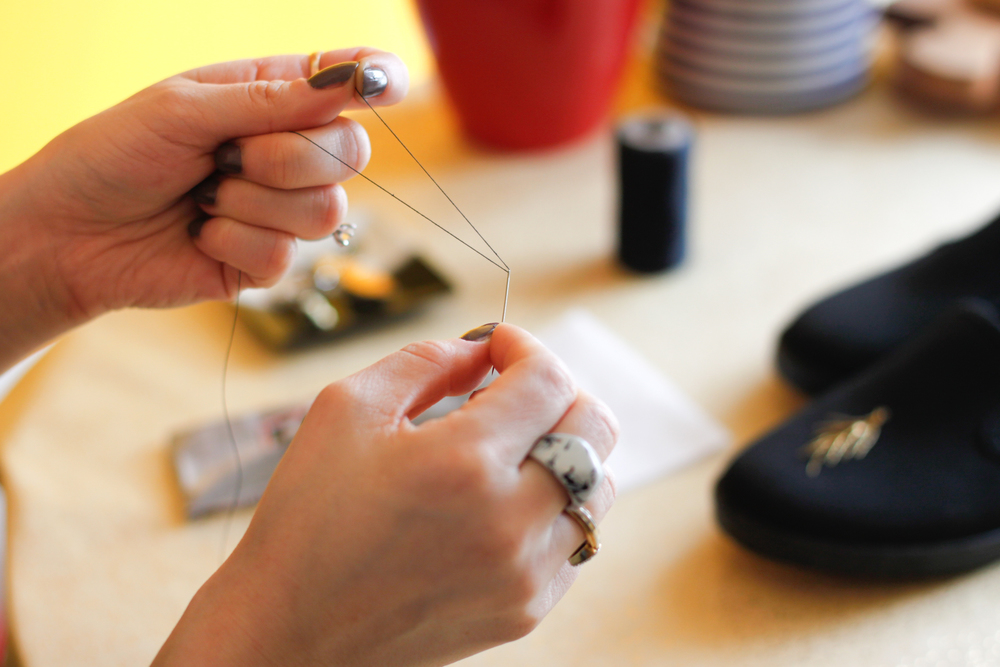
[{"x": 653, "y": 153}]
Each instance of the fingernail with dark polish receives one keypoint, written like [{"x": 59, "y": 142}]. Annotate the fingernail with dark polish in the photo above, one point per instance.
[
  {"x": 229, "y": 159},
  {"x": 334, "y": 75},
  {"x": 194, "y": 227},
  {"x": 205, "y": 192},
  {"x": 375, "y": 82},
  {"x": 482, "y": 333}
]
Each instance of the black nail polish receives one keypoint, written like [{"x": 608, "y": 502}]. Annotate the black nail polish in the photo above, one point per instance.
[
  {"x": 334, "y": 75},
  {"x": 375, "y": 81},
  {"x": 205, "y": 192},
  {"x": 194, "y": 227},
  {"x": 229, "y": 159},
  {"x": 479, "y": 334}
]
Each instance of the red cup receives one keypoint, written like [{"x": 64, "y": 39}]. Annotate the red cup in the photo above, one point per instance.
[{"x": 529, "y": 73}]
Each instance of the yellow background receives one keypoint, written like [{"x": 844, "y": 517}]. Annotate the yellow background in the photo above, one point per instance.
[{"x": 65, "y": 61}]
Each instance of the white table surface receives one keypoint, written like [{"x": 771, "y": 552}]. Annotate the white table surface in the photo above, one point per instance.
[{"x": 784, "y": 209}]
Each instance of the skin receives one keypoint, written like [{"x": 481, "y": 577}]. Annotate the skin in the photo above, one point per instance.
[
  {"x": 428, "y": 543},
  {"x": 377, "y": 542},
  {"x": 97, "y": 220}
]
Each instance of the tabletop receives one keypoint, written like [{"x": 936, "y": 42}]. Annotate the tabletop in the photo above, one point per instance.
[{"x": 103, "y": 562}]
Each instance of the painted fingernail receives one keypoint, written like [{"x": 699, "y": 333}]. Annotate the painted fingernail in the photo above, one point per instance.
[
  {"x": 229, "y": 159},
  {"x": 205, "y": 192},
  {"x": 194, "y": 227},
  {"x": 374, "y": 82},
  {"x": 482, "y": 333},
  {"x": 334, "y": 75}
]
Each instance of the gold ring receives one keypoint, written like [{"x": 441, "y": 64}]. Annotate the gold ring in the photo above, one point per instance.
[
  {"x": 314, "y": 59},
  {"x": 592, "y": 544}
]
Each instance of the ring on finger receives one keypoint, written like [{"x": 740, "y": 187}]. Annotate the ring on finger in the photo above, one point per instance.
[
  {"x": 314, "y": 59},
  {"x": 572, "y": 461},
  {"x": 592, "y": 541}
]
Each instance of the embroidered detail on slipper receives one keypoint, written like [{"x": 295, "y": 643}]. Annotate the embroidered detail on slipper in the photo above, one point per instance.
[{"x": 843, "y": 438}]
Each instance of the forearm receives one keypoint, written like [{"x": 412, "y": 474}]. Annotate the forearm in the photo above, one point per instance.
[
  {"x": 210, "y": 633},
  {"x": 35, "y": 306},
  {"x": 236, "y": 618}
]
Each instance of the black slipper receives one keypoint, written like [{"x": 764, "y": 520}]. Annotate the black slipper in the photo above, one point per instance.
[
  {"x": 847, "y": 332},
  {"x": 907, "y": 486}
]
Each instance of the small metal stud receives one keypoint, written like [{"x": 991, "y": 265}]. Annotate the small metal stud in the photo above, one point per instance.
[{"x": 344, "y": 233}]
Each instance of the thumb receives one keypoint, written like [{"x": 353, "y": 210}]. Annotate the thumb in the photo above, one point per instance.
[
  {"x": 409, "y": 381},
  {"x": 231, "y": 110}
]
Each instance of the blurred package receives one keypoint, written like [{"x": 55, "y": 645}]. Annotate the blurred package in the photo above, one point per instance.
[
  {"x": 332, "y": 291},
  {"x": 207, "y": 468},
  {"x": 209, "y": 473},
  {"x": 205, "y": 459}
]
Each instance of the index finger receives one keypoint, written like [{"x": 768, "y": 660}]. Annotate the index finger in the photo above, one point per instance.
[
  {"x": 532, "y": 394},
  {"x": 291, "y": 67}
]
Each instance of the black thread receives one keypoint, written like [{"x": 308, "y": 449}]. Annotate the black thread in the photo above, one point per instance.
[
  {"x": 368, "y": 104},
  {"x": 229, "y": 423},
  {"x": 472, "y": 248},
  {"x": 506, "y": 268}
]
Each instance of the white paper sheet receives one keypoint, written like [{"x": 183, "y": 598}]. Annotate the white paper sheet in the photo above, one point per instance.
[{"x": 662, "y": 430}]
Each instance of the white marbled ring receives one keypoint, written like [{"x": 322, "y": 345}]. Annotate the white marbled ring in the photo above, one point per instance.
[{"x": 573, "y": 462}]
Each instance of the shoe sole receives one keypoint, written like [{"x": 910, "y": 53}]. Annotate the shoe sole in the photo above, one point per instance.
[{"x": 879, "y": 561}]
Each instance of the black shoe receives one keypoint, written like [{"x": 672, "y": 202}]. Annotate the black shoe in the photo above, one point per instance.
[
  {"x": 914, "y": 489},
  {"x": 845, "y": 333}
]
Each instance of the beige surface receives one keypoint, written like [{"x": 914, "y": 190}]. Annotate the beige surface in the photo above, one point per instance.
[{"x": 102, "y": 563}]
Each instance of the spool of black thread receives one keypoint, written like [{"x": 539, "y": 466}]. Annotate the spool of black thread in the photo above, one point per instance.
[{"x": 653, "y": 153}]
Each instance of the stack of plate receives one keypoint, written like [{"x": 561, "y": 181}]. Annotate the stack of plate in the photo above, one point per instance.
[{"x": 766, "y": 56}]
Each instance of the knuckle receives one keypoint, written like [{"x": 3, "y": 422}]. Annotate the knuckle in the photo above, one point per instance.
[
  {"x": 611, "y": 482},
  {"x": 354, "y": 144},
  {"x": 435, "y": 354},
  {"x": 520, "y": 624},
  {"x": 557, "y": 379},
  {"x": 336, "y": 395},
  {"x": 605, "y": 497},
  {"x": 280, "y": 160},
  {"x": 523, "y": 589},
  {"x": 504, "y": 548},
  {"x": 179, "y": 104},
  {"x": 265, "y": 94},
  {"x": 329, "y": 206},
  {"x": 278, "y": 257},
  {"x": 605, "y": 421},
  {"x": 173, "y": 100},
  {"x": 264, "y": 281}
]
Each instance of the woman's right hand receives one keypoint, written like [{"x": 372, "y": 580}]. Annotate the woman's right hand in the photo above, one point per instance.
[
  {"x": 383, "y": 543},
  {"x": 188, "y": 190}
]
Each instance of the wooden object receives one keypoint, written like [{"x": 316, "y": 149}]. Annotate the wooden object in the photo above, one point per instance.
[{"x": 949, "y": 55}]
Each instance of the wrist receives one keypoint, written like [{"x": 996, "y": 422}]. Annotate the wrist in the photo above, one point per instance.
[
  {"x": 218, "y": 627},
  {"x": 35, "y": 304}
]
